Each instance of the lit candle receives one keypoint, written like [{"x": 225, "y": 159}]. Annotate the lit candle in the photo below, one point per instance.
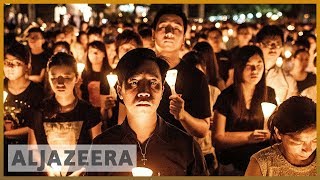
[
  {"x": 112, "y": 80},
  {"x": 5, "y": 94},
  {"x": 279, "y": 61},
  {"x": 171, "y": 78},
  {"x": 267, "y": 110},
  {"x": 142, "y": 171},
  {"x": 80, "y": 68},
  {"x": 287, "y": 54}
]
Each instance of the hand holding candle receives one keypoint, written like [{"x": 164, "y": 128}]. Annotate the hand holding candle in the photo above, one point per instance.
[
  {"x": 171, "y": 78},
  {"x": 141, "y": 171},
  {"x": 112, "y": 80},
  {"x": 267, "y": 110}
]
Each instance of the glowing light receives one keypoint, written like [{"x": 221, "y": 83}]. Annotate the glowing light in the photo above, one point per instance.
[
  {"x": 141, "y": 171},
  {"x": 300, "y": 33},
  {"x": 112, "y": 80},
  {"x": 120, "y": 30},
  {"x": 224, "y": 18},
  {"x": 144, "y": 14},
  {"x": 225, "y": 39},
  {"x": 279, "y": 61},
  {"x": 188, "y": 42},
  {"x": 230, "y": 32},
  {"x": 120, "y": 14},
  {"x": 104, "y": 21},
  {"x": 171, "y": 78},
  {"x": 145, "y": 20},
  {"x": 126, "y": 8},
  {"x": 80, "y": 68},
  {"x": 212, "y": 18},
  {"x": 193, "y": 27},
  {"x": 279, "y": 14},
  {"x": 290, "y": 27},
  {"x": 274, "y": 17},
  {"x": 235, "y": 17},
  {"x": 258, "y": 14},
  {"x": 5, "y": 94},
  {"x": 200, "y": 20},
  {"x": 217, "y": 25},
  {"x": 250, "y": 16},
  {"x": 267, "y": 110},
  {"x": 108, "y": 5},
  {"x": 306, "y": 16},
  {"x": 287, "y": 54},
  {"x": 269, "y": 14},
  {"x": 242, "y": 16}
]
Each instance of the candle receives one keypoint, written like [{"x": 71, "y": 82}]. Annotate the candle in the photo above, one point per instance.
[
  {"x": 56, "y": 168},
  {"x": 287, "y": 54},
  {"x": 5, "y": 94},
  {"x": 171, "y": 78},
  {"x": 80, "y": 68},
  {"x": 141, "y": 171},
  {"x": 279, "y": 61},
  {"x": 267, "y": 110},
  {"x": 112, "y": 80}
]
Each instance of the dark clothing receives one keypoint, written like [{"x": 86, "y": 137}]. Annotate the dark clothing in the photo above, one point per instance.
[
  {"x": 90, "y": 87},
  {"x": 240, "y": 156},
  {"x": 309, "y": 81},
  {"x": 224, "y": 63},
  {"x": 170, "y": 152},
  {"x": 39, "y": 62},
  {"x": 234, "y": 53},
  {"x": 52, "y": 127},
  {"x": 193, "y": 86}
]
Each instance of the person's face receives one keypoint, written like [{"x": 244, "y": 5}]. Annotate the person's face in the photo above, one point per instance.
[
  {"x": 35, "y": 40},
  {"x": 299, "y": 147},
  {"x": 301, "y": 60},
  {"x": 14, "y": 68},
  {"x": 124, "y": 48},
  {"x": 94, "y": 37},
  {"x": 84, "y": 39},
  {"x": 111, "y": 52},
  {"x": 214, "y": 39},
  {"x": 60, "y": 37},
  {"x": 244, "y": 35},
  {"x": 60, "y": 49},
  {"x": 169, "y": 33},
  {"x": 271, "y": 48},
  {"x": 95, "y": 55},
  {"x": 142, "y": 92},
  {"x": 253, "y": 70},
  {"x": 62, "y": 80}
]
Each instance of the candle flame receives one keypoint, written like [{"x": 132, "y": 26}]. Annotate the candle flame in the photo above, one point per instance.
[
  {"x": 141, "y": 171},
  {"x": 112, "y": 79},
  {"x": 267, "y": 109},
  {"x": 80, "y": 67},
  {"x": 5, "y": 94}
]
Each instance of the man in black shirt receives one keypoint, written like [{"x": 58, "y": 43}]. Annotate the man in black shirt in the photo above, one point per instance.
[
  {"x": 190, "y": 109},
  {"x": 161, "y": 147}
]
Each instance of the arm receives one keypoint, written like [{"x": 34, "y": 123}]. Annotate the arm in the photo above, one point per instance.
[
  {"x": 194, "y": 126},
  {"x": 225, "y": 139},
  {"x": 122, "y": 113},
  {"x": 37, "y": 78},
  {"x": 16, "y": 132},
  {"x": 230, "y": 78},
  {"x": 107, "y": 103},
  {"x": 96, "y": 130},
  {"x": 253, "y": 168}
]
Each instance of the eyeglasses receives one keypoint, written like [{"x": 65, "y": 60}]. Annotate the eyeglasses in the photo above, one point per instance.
[
  {"x": 272, "y": 45},
  {"x": 11, "y": 64}
]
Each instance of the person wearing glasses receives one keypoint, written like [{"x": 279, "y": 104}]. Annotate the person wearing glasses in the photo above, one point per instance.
[{"x": 270, "y": 39}]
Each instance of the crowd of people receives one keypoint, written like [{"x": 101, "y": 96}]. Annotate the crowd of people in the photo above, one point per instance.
[{"x": 213, "y": 125}]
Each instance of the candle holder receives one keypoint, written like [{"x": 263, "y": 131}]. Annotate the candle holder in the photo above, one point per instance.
[
  {"x": 142, "y": 172},
  {"x": 171, "y": 78},
  {"x": 267, "y": 110},
  {"x": 112, "y": 80}
]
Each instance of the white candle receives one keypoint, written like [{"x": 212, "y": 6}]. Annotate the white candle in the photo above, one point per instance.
[
  {"x": 171, "y": 78},
  {"x": 279, "y": 61},
  {"x": 56, "y": 168},
  {"x": 5, "y": 94},
  {"x": 112, "y": 80},
  {"x": 142, "y": 171},
  {"x": 267, "y": 110},
  {"x": 80, "y": 68}
]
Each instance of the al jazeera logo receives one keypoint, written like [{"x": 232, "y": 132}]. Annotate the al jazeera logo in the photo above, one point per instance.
[{"x": 94, "y": 158}]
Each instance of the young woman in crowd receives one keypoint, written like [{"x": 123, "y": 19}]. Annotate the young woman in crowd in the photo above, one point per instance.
[
  {"x": 296, "y": 134},
  {"x": 64, "y": 119},
  {"x": 238, "y": 118},
  {"x": 96, "y": 66}
]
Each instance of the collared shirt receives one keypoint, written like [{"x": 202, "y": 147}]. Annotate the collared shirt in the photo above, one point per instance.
[
  {"x": 283, "y": 84},
  {"x": 170, "y": 151}
]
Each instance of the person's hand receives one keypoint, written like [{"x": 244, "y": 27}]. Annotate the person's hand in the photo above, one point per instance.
[
  {"x": 110, "y": 102},
  {"x": 177, "y": 106},
  {"x": 51, "y": 172},
  {"x": 259, "y": 135},
  {"x": 78, "y": 172}
]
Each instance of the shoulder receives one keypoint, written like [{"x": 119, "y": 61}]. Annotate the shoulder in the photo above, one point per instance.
[
  {"x": 266, "y": 155},
  {"x": 192, "y": 71},
  {"x": 36, "y": 86},
  {"x": 112, "y": 135}
]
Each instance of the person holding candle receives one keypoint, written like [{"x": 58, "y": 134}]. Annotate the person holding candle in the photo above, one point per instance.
[
  {"x": 293, "y": 127},
  {"x": 270, "y": 39},
  {"x": 96, "y": 66},
  {"x": 238, "y": 119},
  {"x": 63, "y": 119},
  {"x": 23, "y": 95},
  {"x": 189, "y": 109},
  {"x": 141, "y": 77}
]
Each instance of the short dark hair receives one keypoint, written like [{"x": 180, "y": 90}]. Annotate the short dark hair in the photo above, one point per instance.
[
  {"x": 36, "y": 29},
  {"x": 63, "y": 59},
  {"x": 20, "y": 51},
  {"x": 294, "y": 115},
  {"x": 127, "y": 36},
  {"x": 215, "y": 29},
  {"x": 94, "y": 30},
  {"x": 270, "y": 31},
  {"x": 170, "y": 10},
  {"x": 133, "y": 59}
]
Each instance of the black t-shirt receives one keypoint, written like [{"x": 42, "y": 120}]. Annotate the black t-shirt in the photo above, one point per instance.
[
  {"x": 310, "y": 80},
  {"x": 52, "y": 127},
  {"x": 166, "y": 156},
  {"x": 17, "y": 107},
  {"x": 193, "y": 86},
  {"x": 224, "y": 63},
  {"x": 39, "y": 62},
  {"x": 240, "y": 156}
]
